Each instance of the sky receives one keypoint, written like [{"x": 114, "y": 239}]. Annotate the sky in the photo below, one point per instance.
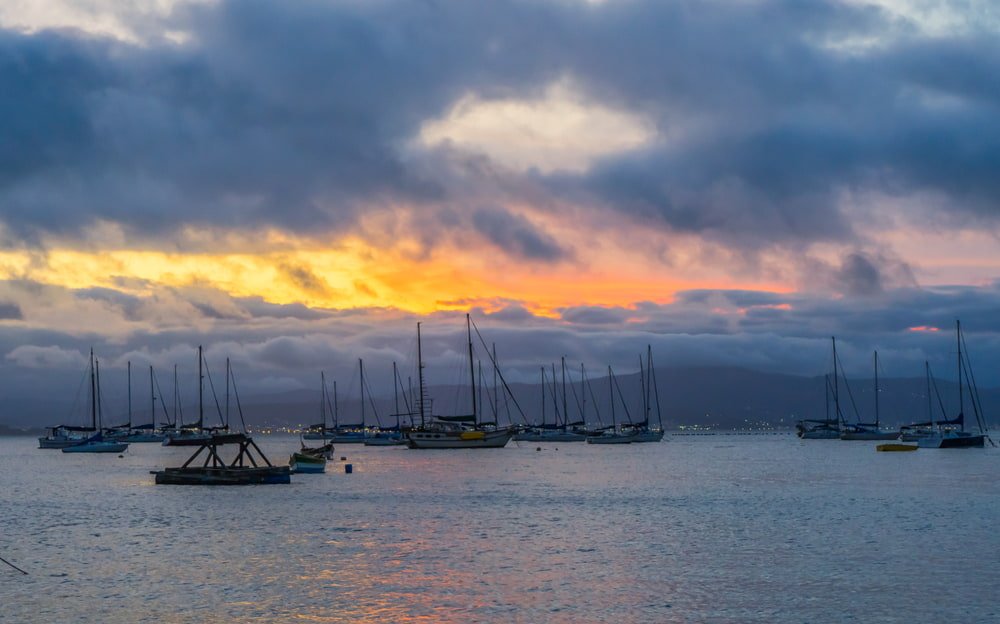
[{"x": 296, "y": 184}]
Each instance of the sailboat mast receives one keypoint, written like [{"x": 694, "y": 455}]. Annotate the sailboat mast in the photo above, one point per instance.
[
  {"x": 322, "y": 398},
  {"x": 152, "y": 399},
  {"x": 836, "y": 381},
  {"x": 420, "y": 376},
  {"x": 361, "y": 367},
  {"x": 930, "y": 411},
  {"x": 876, "y": 389},
  {"x": 642, "y": 388},
  {"x": 611, "y": 394},
  {"x": 496, "y": 389},
  {"x": 395, "y": 392},
  {"x": 93, "y": 393},
  {"x": 543, "y": 396},
  {"x": 555, "y": 399},
  {"x": 97, "y": 369},
  {"x": 129, "y": 394},
  {"x": 336, "y": 408},
  {"x": 565, "y": 413},
  {"x": 177, "y": 398},
  {"x": 201, "y": 392},
  {"x": 656, "y": 386},
  {"x": 826, "y": 394},
  {"x": 961, "y": 398},
  {"x": 228, "y": 375},
  {"x": 472, "y": 367},
  {"x": 583, "y": 396}
]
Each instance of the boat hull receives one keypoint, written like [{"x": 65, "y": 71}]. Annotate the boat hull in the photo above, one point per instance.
[
  {"x": 308, "y": 464},
  {"x": 869, "y": 435},
  {"x": 194, "y": 439},
  {"x": 58, "y": 443},
  {"x": 343, "y": 437},
  {"x": 819, "y": 434},
  {"x": 374, "y": 441},
  {"x": 648, "y": 436},
  {"x": 420, "y": 439},
  {"x": 97, "y": 447},
  {"x": 550, "y": 436},
  {"x": 611, "y": 439},
  {"x": 234, "y": 475},
  {"x": 953, "y": 441},
  {"x": 139, "y": 438},
  {"x": 895, "y": 448}
]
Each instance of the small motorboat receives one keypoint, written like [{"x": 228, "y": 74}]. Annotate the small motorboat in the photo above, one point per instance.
[{"x": 306, "y": 463}]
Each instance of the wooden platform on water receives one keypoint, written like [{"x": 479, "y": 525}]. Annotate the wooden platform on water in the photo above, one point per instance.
[{"x": 246, "y": 469}]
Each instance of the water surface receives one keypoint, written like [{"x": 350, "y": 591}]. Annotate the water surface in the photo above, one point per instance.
[{"x": 720, "y": 528}]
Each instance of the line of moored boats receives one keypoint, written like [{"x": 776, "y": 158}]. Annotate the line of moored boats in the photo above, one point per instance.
[
  {"x": 939, "y": 432},
  {"x": 416, "y": 426}
]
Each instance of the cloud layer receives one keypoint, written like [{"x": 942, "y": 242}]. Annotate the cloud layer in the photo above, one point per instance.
[{"x": 254, "y": 175}]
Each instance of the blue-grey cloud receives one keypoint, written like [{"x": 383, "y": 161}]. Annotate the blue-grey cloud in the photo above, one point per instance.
[
  {"x": 300, "y": 114},
  {"x": 516, "y": 235},
  {"x": 10, "y": 311}
]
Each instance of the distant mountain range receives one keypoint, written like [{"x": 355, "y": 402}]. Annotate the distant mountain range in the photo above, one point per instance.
[{"x": 716, "y": 397}]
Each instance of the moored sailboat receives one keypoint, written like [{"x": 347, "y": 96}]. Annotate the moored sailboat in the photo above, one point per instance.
[
  {"x": 312, "y": 459},
  {"x": 645, "y": 432},
  {"x": 861, "y": 430},
  {"x": 943, "y": 436},
  {"x": 144, "y": 433},
  {"x": 197, "y": 434},
  {"x": 616, "y": 434},
  {"x": 820, "y": 429},
  {"x": 453, "y": 432},
  {"x": 61, "y": 436},
  {"x": 96, "y": 443}
]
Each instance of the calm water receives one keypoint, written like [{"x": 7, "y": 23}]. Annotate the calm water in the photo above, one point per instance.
[{"x": 697, "y": 529}]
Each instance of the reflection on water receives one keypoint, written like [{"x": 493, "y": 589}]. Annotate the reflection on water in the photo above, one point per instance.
[{"x": 700, "y": 529}]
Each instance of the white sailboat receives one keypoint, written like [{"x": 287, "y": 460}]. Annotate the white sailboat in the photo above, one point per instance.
[
  {"x": 61, "y": 436},
  {"x": 869, "y": 431},
  {"x": 820, "y": 429},
  {"x": 952, "y": 437},
  {"x": 453, "y": 432},
  {"x": 644, "y": 431},
  {"x": 96, "y": 443},
  {"x": 138, "y": 433},
  {"x": 615, "y": 434},
  {"x": 388, "y": 436},
  {"x": 197, "y": 434},
  {"x": 552, "y": 432}
]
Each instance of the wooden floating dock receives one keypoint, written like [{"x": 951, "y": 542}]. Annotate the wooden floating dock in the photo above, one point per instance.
[{"x": 244, "y": 470}]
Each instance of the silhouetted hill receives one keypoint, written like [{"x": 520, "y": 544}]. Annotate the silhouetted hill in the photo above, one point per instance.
[{"x": 721, "y": 397}]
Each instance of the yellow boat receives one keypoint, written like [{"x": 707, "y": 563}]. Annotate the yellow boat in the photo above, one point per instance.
[{"x": 896, "y": 447}]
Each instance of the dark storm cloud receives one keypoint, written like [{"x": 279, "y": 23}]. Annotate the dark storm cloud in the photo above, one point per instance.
[
  {"x": 298, "y": 114},
  {"x": 257, "y": 307},
  {"x": 594, "y": 315},
  {"x": 10, "y": 311},
  {"x": 283, "y": 348},
  {"x": 516, "y": 235}
]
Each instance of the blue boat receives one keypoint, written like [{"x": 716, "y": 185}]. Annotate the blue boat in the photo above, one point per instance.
[{"x": 95, "y": 443}]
